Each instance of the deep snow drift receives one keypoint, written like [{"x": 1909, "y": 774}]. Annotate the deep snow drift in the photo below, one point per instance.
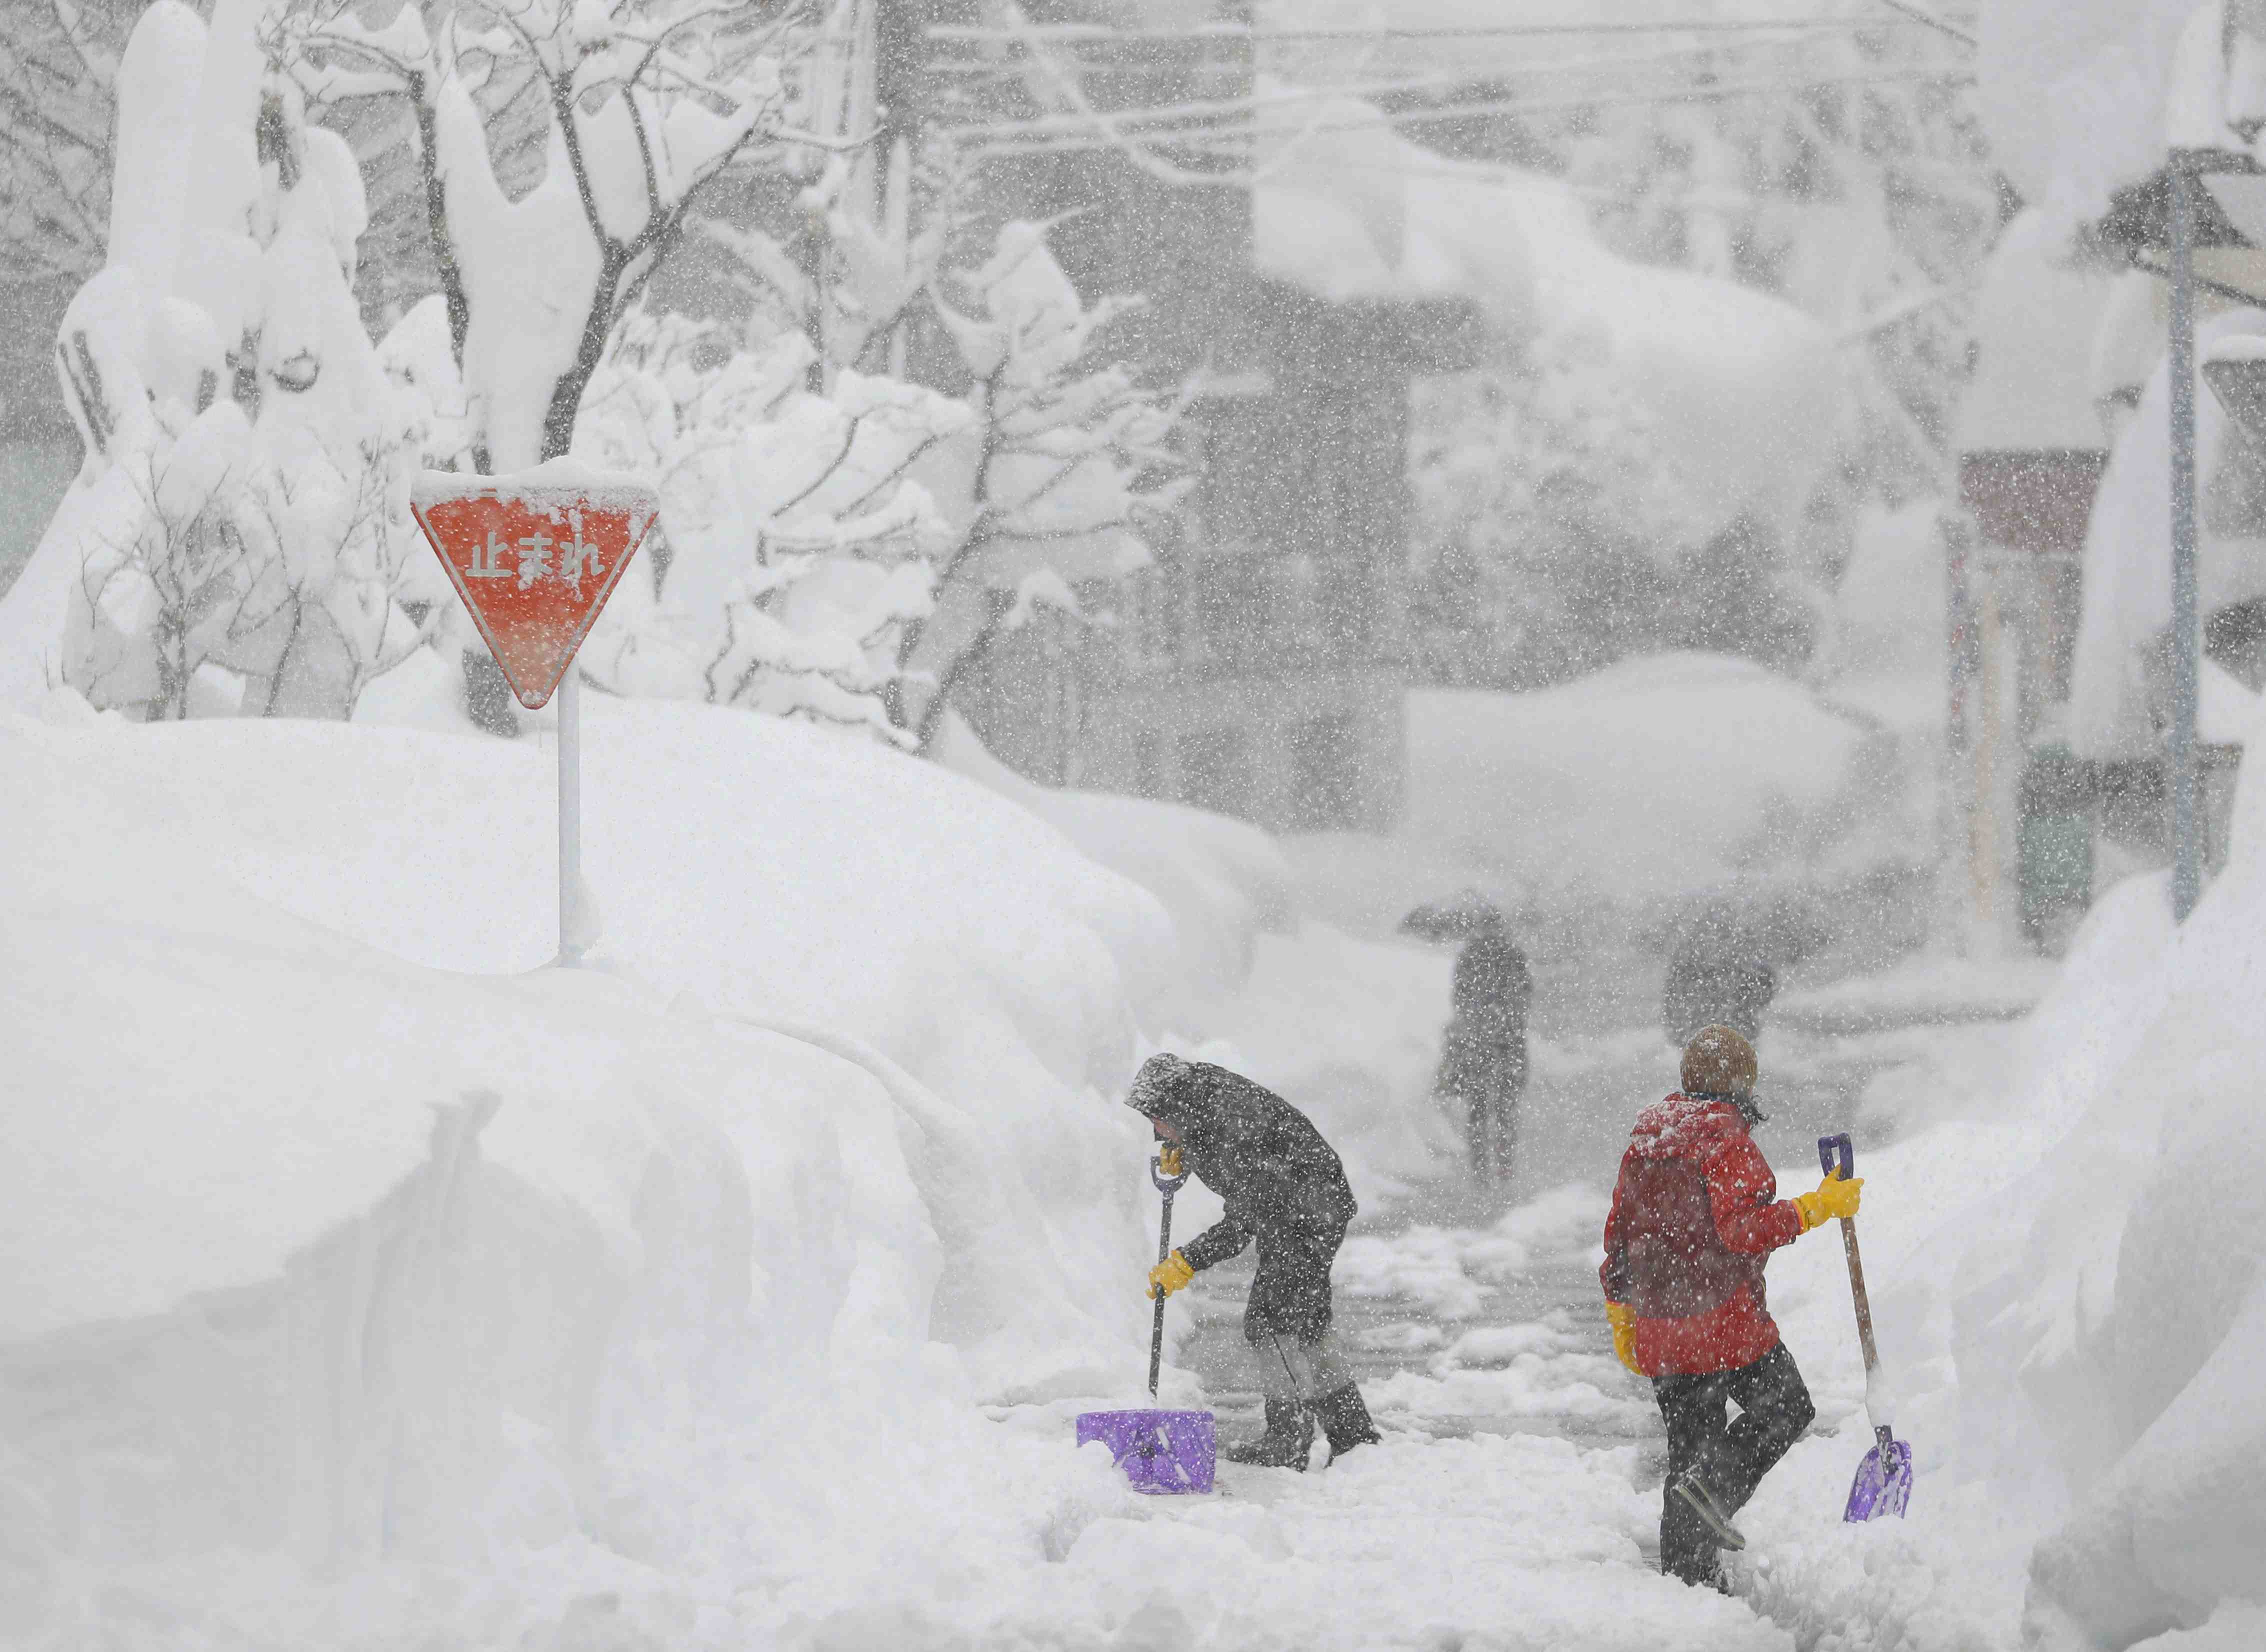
[
  {"x": 1652, "y": 781},
  {"x": 317, "y": 1249},
  {"x": 366, "y": 1286},
  {"x": 2064, "y": 1251}
]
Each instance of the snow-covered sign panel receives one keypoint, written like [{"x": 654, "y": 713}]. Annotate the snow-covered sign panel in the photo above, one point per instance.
[{"x": 535, "y": 556}]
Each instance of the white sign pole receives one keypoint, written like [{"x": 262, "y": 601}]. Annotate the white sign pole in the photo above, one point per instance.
[{"x": 570, "y": 818}]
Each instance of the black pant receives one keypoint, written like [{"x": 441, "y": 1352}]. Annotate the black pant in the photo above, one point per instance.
[
  {"x": 1774, "y": 1408},
  {"x": 1290, "y": 1292}
]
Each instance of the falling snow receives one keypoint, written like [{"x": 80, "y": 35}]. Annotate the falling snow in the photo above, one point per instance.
[{"x": 1403, "y": 552}]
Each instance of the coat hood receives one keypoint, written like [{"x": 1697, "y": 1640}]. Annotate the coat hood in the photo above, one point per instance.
[
  {"x": 1164, "y": 1088},
  {"x": 1679, "y": 1126}
]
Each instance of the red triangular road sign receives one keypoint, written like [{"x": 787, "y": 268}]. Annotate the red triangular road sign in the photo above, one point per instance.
[{"x": 533, "y": 556}]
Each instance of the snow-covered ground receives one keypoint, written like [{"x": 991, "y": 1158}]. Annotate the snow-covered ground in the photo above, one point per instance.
[
  {"x": 342, "y": 1240},
  {"x": 369, "y": 1284}
]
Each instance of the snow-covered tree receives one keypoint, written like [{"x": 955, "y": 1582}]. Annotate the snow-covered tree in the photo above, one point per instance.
[
  {"x": 1861, "y": 191},
  {"x": 58, "y": 60},
  {"x": 793, "y": 549},
  {"x": 841, "y": 542},
  {"x": 238, "y": 534},
  {"x": 1855, "y": 187},
  {"x": 646, "y": 103},
  {"x": 1066, "y": 466},
  {"x": 1543, "y": 512}
]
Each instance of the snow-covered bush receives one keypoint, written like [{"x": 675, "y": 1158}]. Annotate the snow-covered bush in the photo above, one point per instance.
[
  {"x": 1556, "y": 533},
  {"x": 1065, "y": 466},
  {"x": 1545, "y": 519},
  {"x": 837, "y": 540},
  {"x": 645, "y": 105},
  {"x": 794, "y": 549},
  {"x": 841, "y": 544},
  {"x": 238, "y": 532}
]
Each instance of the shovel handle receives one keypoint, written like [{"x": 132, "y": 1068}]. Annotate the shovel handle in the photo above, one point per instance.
[
  {"x": 1831, "y": 1149},
  {"x": 1168, "y": 1185}
]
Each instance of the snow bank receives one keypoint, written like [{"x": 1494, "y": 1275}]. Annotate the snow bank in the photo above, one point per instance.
[
  {"x": 490, "y": 1290},
  {"x": 1349, "y": 1031},
  {"x": 1222, "y": 882},
  {"x": 1657, "y": 776},
  {"x": 2068, "y": 1284},
  {"x": 1920, "y": 991}
]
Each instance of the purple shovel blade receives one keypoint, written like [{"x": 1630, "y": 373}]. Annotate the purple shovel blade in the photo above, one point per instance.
[
  {"x": 1884, "y": 1482},
  {"x": 1162, "y": 1452}
]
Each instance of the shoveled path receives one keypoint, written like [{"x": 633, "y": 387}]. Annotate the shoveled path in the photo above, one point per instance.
[{"x": 1468, "y": 1311}]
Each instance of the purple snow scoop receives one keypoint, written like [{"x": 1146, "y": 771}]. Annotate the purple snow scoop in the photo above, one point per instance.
[
  {"x": 1166, "y": 1452},
  {"x": 1161, "y": 1452},
  {"x": 1884, "y": 1482}
]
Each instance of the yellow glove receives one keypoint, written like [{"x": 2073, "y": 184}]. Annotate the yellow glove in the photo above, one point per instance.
[
  {"x": 1836, "y": 1195},
  {"x": 1622, "y": 1318},
  {"x": 1170, "y": 1274},
  {"x": 1168, "y": 1159}
]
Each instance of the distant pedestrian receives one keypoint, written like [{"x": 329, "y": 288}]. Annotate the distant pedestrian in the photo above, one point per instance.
[
  {"x": 2054, "y": 845},
  {"x": 1695, "y": 1216},
  {"x": 1716, "y": 978},
  {"x": 1483, "y": 1052},
  {"x": 1285, "y": 1187}
]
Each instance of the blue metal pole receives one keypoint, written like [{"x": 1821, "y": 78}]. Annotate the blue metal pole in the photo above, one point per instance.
[{"x": 2187, "y": 847}]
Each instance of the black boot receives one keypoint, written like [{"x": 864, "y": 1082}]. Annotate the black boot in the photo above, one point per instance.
[
  {"x": 1290, "y": 1435},
  {"x": 1345, "y": 1420},
  {"x": 1702, "y": 1502}
]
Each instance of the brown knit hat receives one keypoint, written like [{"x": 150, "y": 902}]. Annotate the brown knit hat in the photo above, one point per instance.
[{"x": 1719, "y": 1061}]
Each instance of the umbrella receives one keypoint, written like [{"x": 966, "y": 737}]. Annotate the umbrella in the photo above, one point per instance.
[{"x": 1458, "y": 917}]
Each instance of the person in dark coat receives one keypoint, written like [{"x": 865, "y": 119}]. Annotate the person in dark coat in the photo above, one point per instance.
[
  {"x": 1286, "y": 1188},
  {"x": 1716, "y": 980},
  {"x": 1695, "y": 1216},
  {"x": 1483, "y": 1054}
]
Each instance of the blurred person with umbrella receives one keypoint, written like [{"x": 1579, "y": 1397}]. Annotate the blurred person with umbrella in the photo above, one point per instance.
[{"x": 1483, "y": 1052}]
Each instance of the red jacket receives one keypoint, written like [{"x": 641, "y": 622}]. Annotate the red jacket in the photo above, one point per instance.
[{"x": 1696, "y": 1213}]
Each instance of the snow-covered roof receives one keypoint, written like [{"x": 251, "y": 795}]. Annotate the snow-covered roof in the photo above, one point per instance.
[
  {"x": 2127, "y": 599},
  {"x": 1742, "y": 391},
  {"x": 2081, "y": 97},
  {"x": 1348, "y": 208},
  {"x": 2072, "y": 93},
  {"x": 2129, "y": 340},
  {"x": 2035, "y": 327}
]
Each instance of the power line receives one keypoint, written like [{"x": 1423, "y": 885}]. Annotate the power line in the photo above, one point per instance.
[
  {"x": 1098, "y": 34},
  {"x": 1195, "y": 109},
  {"x": 1071, "y": 133},
  {"x": 1926, "y": 18},
  {"x": 1619, "y": 62}
]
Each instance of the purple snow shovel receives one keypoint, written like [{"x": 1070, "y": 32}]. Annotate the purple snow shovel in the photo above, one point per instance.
[
  {"x": 1884, "y": 1482},
  {"x": 1164, "y": 1452}
]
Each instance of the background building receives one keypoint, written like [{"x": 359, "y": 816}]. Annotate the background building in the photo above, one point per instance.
[{"x": 1260, "y": 667}]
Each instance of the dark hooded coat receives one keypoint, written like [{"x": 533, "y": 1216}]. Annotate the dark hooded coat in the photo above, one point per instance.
[{"x": 1283, "y": 1186}]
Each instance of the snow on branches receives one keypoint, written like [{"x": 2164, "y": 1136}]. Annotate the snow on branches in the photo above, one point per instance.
[
  {"x": 794, "y": 546},
  {"x": 838, "y": 539},
  {"x": 1070, "y": 462},
  {"x": 844, "y": 553},
  {"x": 58, "y": 59},
  {"x": 646, "y": 103},
  {"x": 237, "y": 534}
]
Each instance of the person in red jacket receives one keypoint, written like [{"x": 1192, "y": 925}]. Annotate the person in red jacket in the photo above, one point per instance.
[{"x": 1696, "y": 1214}]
